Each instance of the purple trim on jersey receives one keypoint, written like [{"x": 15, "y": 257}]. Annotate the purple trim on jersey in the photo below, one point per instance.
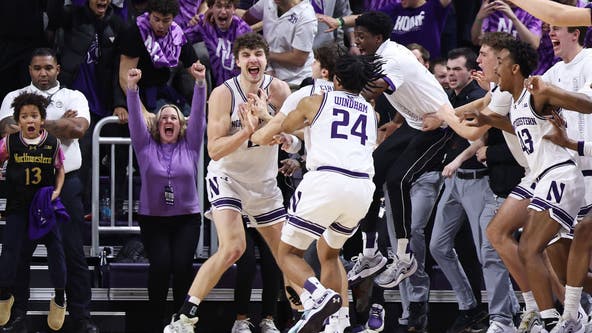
[
  {"x": 339, "y": 228},
  {"x": 521, "y": 192},
  {"x": 390, "y": 83},
  {"x": 272, "y": 216},
  {"x": 584, "y": 211},
  {"x": 581, "y": 148},
  {"x": 552, "y": 167},
  {"x": 587, "y": 173},
  {"x": 305, "y": 225},
  {"x": 561, "y": 216},
  {"x": 320, "y": 109},
  {"x": 228, "y": 202},
  {"x": 345, "y": 172}
]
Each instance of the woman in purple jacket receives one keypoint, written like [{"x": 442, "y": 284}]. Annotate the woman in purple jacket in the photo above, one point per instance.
[{"x": 169, "y": 215}]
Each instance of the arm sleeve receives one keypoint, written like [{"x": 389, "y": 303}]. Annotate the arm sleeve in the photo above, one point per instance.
[
  {"x": 138, "y": 130},
  {"x": 197, "y": 121},
  {"x": 305, "y": 31},
  {"x": 78, "y": 102},
  {"x": 257, "y": 10},
  {"x": 59, "y": 160}
]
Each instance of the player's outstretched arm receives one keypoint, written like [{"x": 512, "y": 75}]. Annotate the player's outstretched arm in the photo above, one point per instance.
[{"x": 555, "y": 13}]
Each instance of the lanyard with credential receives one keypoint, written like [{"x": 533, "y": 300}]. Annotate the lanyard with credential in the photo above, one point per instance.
[{"x": 169, "y": 194}]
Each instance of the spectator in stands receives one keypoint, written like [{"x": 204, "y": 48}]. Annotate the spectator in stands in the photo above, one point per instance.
[
  {"x": 218, "y": 35},
  {"x": 188, "y": 9},
  {"x": 501, "y": 15},
  {"x": 438, "y": 68},
  {"x": 87, "y": 47},
  {"x": 289, "y": 27},
  {"x": 422, "y": 55},
  {"x": 415, "y": 21},
  {"x": 21, "y": 31},
  {"x": 68, "y": 119},
  {"x": 333, "y": 8},
  {"x": 155, "y": 45},
  {"x": 22, "y": 197},
  {"x": 169, "y": 214}
]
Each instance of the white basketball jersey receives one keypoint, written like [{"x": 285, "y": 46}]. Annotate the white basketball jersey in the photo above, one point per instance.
[
  {"x": 342, "y": 134},
  {"x": 318, "y": 87},
  {"x": 530, "y": 128},
  {"x": 575, "y": 76},
  {"x": 249, "y": 163}
]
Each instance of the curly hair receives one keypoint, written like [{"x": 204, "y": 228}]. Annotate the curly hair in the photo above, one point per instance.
[
  {"x": 250, "y": 41},
  {"x": 26, "y": 98},
  {"x": 377, "y": 23},
  {"x": 355, "y": 73},
  {"x": 524, "y": 55},
  {"x": 326, "y": 56},
  {"x": 496, "y": 40},
  {"x": 154, "y": 131}
]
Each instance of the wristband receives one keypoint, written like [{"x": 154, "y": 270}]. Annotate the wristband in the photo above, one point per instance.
[
  {"x": 341, "y": 22},
  {"x": 295, "y": 146}
]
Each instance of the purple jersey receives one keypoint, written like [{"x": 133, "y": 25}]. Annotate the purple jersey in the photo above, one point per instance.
[
  {"x": 497, "y": 21},
  {"x": 187, "y": 10},
  {"x": 422, "y": 25},
  {"x": 219, "y": 45}
]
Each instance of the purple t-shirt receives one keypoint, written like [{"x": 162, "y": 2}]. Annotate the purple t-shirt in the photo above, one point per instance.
[
  {"x": 422, "y": 25},
  {"x": 157, "y": 160},
  {"x": 187, "y": 10},
  {"x": 219, "y": 45},
  {"x": 497, "y": 21}
]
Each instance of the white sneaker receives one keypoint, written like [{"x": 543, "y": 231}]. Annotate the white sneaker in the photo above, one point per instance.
[
  {"x": 241, "y": 326},
  {"x": 182, "y": 325},
  {"x": 365, "y": 266},
  {"x": 497, "y": 327},
  {"x": 268, "y": 326},
  {"x": 530, "y": 322},
  {"x": 396, "y": 272},
  {"x": 569, "y": 326}
]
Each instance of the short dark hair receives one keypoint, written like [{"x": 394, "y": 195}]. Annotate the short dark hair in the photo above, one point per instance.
[
  {"x": 163, "y": 6},
  {"x": 326, "y": 55},
  {"x": 470, "y": 57},
  {"x": 355, "y": 73},
  {"x": 211, "y": 3},
  {"x": 425, "y": 54},
  {"x": 496, "y": 40},
  {"x": 524, "y": 55},
  {"x": 439, "y": 61},
  {"x": 43, "y": 52},
  {"x": 377, "y": 23},
  {"x": 582, "y": 36},
  {"x": 26, "y": 98},
  {"x": 251, "y": 41}
]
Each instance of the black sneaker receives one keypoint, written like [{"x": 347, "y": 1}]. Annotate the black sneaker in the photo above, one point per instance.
[
  {"x": 418, "y": 317},
  {"x": 16, "y": 325},
  {"x": 466, "y": 319}
]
